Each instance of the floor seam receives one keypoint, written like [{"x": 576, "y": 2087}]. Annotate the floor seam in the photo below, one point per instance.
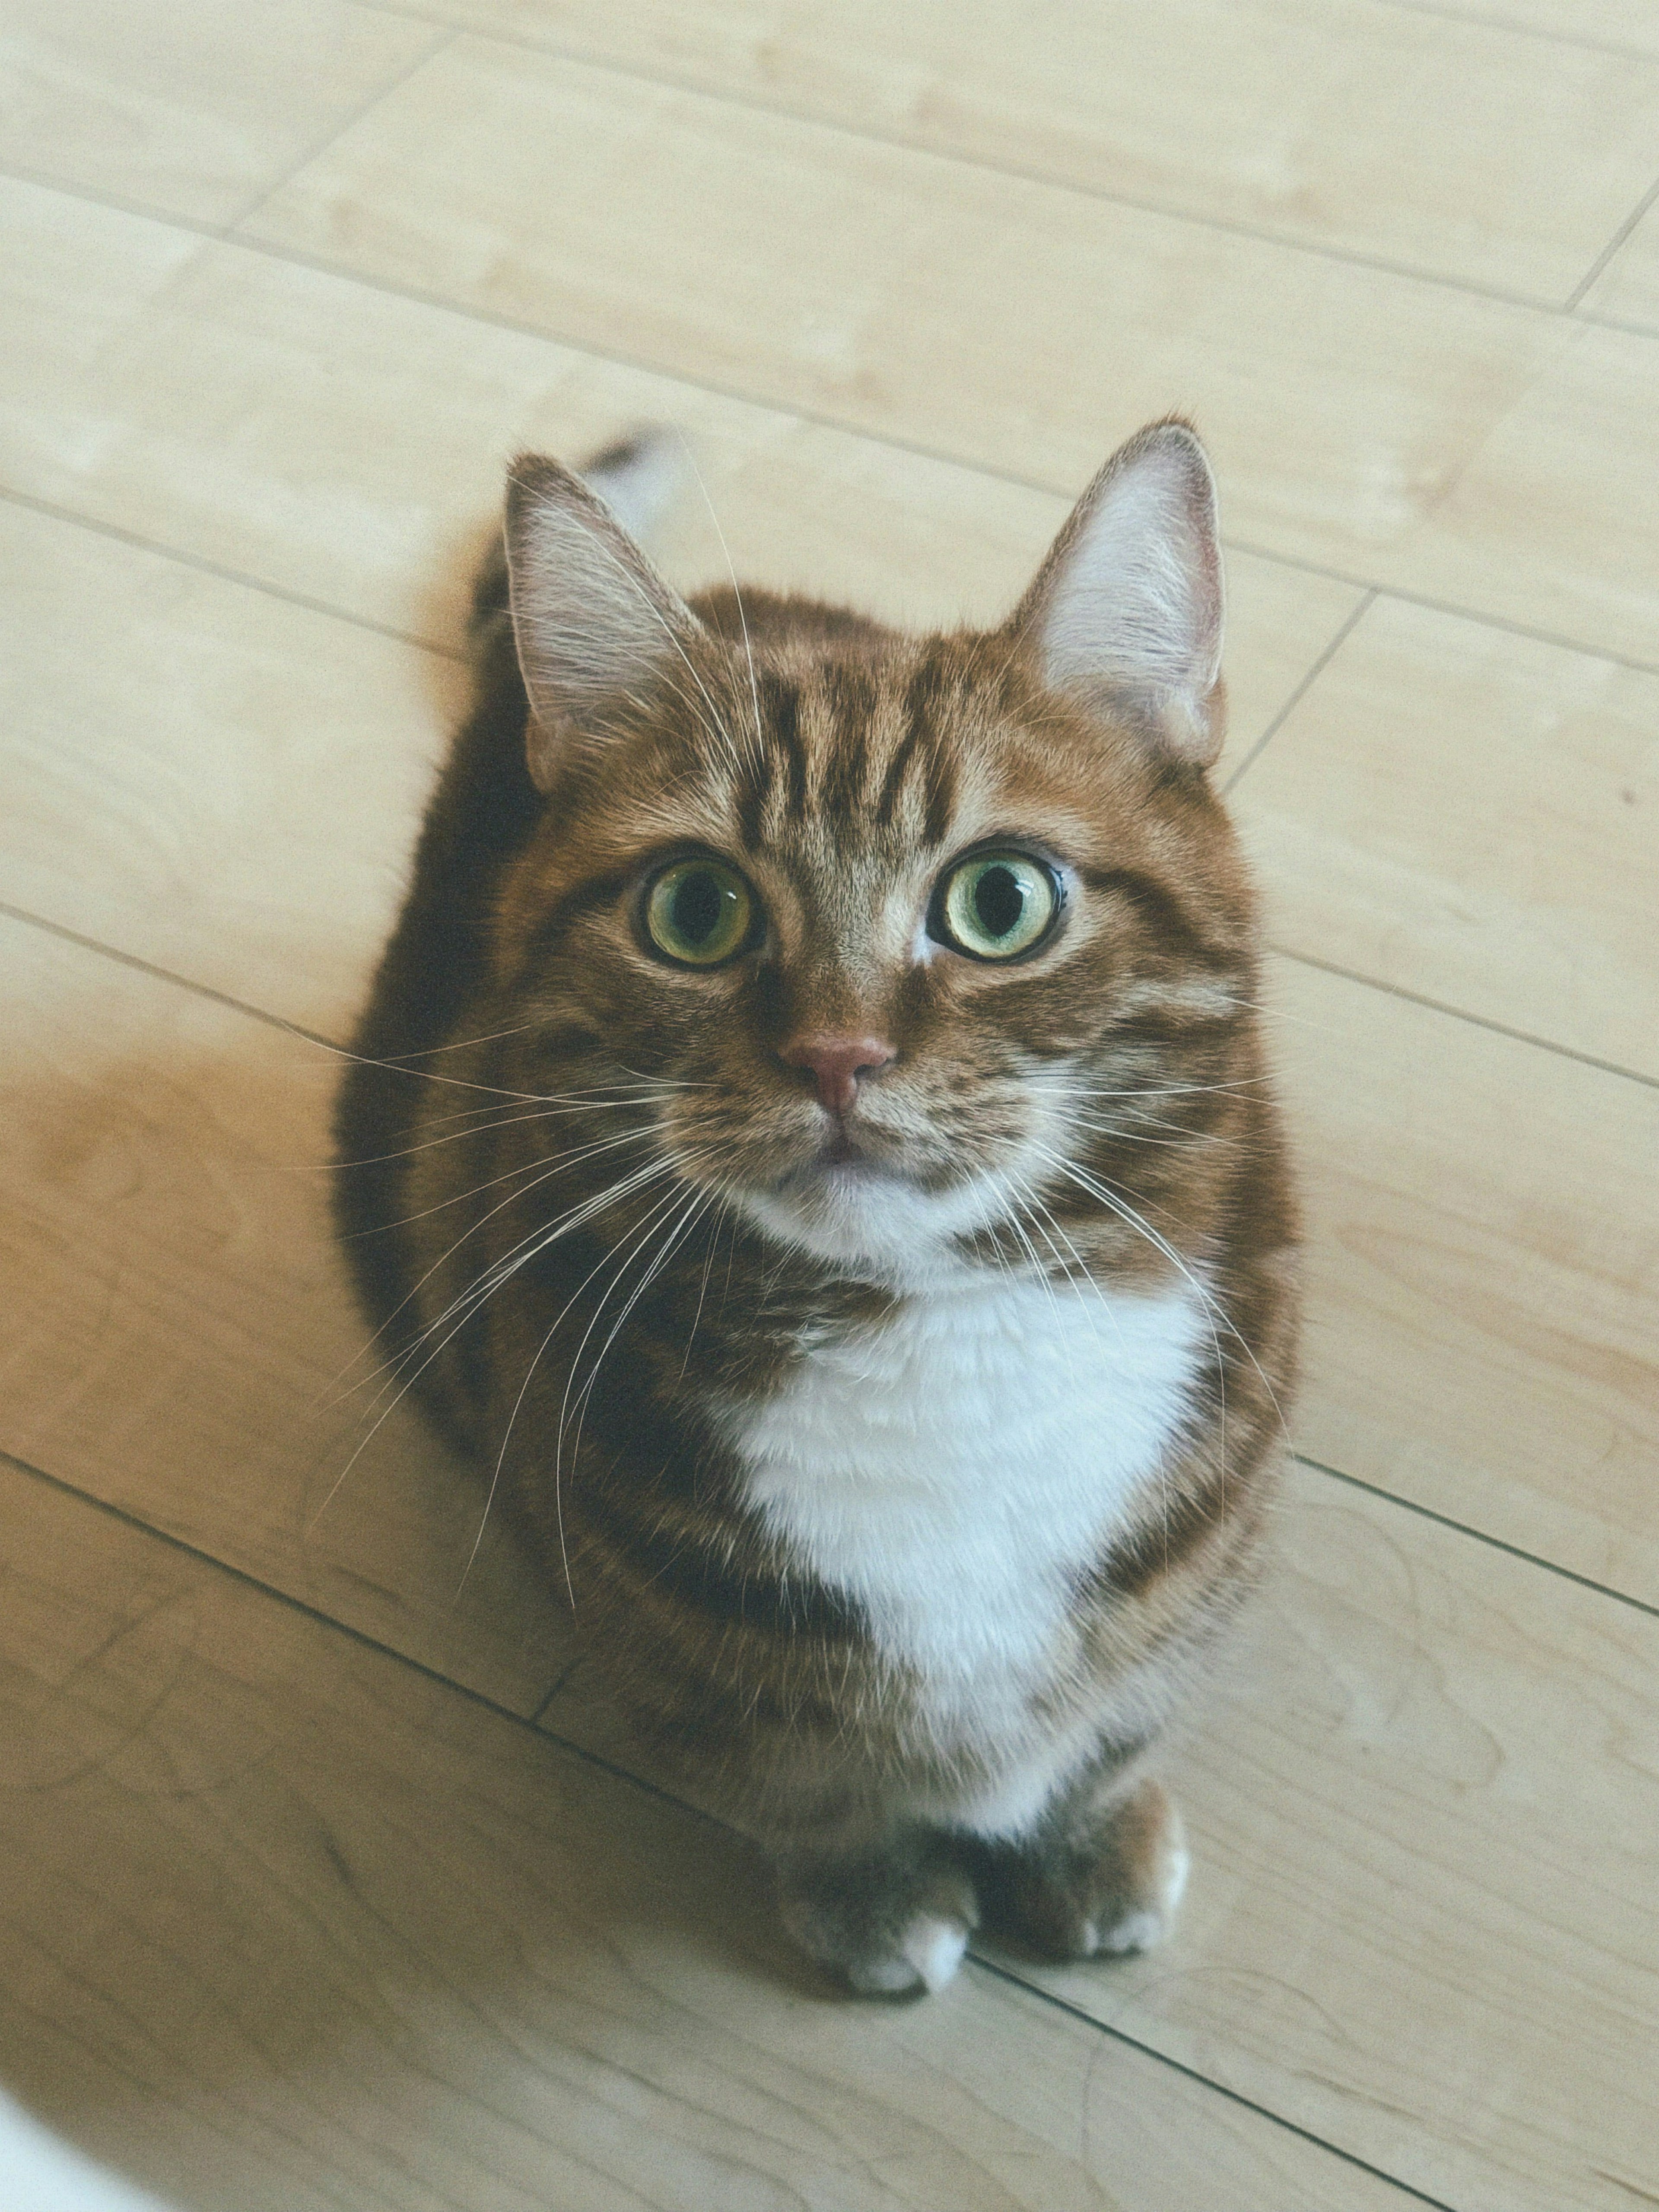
[
  {"x": 364, "y": 106},
  {"x": 1208, "y": 2081},
  {"x": 1612, "y": 246},
  {"x": 1095, "y": 194},
  {"x": 1480, "y": 1535},
  {"x": 250, "y": 1581},
  {"x": 1644, "y": 330},
  {"x": 1302, "y": 689},
  {"x": 530, "y": 1726},
  {"x": 29, "y": 919},
  {"x": 1498, "y": 22},
  {"x": 1462, "y": 1014},
  {"x": 223, "y": 574},
  {"x": 790, "y": 411}
]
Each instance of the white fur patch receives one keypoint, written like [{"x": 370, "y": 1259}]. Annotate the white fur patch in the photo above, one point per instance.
[
  {"x": 934, "y": 1947},
  {"x": 954, "y": 1468}
]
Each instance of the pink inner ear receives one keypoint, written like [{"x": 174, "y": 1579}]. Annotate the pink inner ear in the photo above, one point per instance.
[
  {"x": 592, "y": 618},
  {"x": 1126, "y": 612}
]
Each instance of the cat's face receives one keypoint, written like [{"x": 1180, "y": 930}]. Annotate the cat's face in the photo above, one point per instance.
[{"x": 886, "y": 926}]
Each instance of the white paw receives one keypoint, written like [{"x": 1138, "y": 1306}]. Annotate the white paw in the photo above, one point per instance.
[
  {"x": 1136, "y": 1931},
  {"x": 929, "y": 1951},
  {"x": 1145, "y": 1926}
]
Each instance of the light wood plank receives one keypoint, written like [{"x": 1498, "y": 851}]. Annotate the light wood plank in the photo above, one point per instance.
[
  {"x": 1423, "y": 1919},
  {"x": 229, "y": 786},
  {"x": 1452, "y": 146},
  {"x": 1483, "y": 1296},
  {"x": 184, "y": 106},
  {"x": 349, "y": 446},
  {"x": 213, "y": 779},
  {"x": 1545, "y": 525},
  {"x": 1471, "y": 815},
  {"x": 1627, "y": 290},
  {"x": 984, "y": 317},
  {"x": 331, "y": 1936},
  {"x": 180, "y": 1342}
]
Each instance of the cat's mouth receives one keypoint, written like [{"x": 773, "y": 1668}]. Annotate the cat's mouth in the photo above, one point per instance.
[{"x": 840, "y": 1161}]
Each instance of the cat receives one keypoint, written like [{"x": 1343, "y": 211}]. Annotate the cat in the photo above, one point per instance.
[{"x": 810, "y": 1142}]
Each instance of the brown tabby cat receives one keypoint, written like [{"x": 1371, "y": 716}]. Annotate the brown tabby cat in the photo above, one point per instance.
[{"x": 811, "y": 1146}]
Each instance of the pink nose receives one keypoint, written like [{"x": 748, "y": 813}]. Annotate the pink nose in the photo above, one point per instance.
[{"x": 836, "y": 1063}]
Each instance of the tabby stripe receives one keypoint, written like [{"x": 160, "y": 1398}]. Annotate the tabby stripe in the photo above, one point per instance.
[
  {"x": 683, "y": 1568},
  {"x": 1161, "y": 911},
  {"x": 897, "y": 768},
  {"x": 941, "y": 796},
  {"x": 782, "y": 703},
  {"x": 1164, "y": 1542}
]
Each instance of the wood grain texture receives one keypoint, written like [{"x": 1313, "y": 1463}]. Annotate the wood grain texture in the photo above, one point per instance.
[
  {"x": 1474, "y": 816},
  {"x": 838, "y": 277},
  {"x": 181, "y": 105},
  {"x": 228, "y": 785},
  {"x": 292, "y": 1921},
  {"x": 181, "y": 1343},
  {"x": 208, "y": 777},
  {"x": 348, "y": 446},
  {"x": 1483, "y": 1303},
  {"x": 1339, "y": 124},
  {"x": 1423, "y": 1919},
  {"x": 330, "y": 1934}
]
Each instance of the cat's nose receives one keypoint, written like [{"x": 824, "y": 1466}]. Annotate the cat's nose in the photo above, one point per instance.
[{"x": 835, "y": 1063}]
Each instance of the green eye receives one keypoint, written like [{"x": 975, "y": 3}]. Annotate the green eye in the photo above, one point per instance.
[
  {"x": 699, "y": 912},
  {"x": 996, "y": 905}
]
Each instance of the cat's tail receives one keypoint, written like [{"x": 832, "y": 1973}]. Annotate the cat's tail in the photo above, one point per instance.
[{"x": 636, "y": 478}]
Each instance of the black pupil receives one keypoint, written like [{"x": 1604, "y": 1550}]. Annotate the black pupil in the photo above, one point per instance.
[
  {"x": 696, "y": 906},
  {"x": 999, "y": 901}
]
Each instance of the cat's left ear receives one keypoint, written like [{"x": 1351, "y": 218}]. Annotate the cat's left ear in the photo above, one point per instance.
[
  {"x": 1126, "y": 613},
  {"x": 592, "y": 619}
]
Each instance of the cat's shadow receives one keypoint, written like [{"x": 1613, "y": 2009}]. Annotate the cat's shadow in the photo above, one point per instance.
[{"x": 283, "y": 1907}]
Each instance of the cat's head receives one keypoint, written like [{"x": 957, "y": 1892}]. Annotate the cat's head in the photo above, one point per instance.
[{"x": 898, "y": 930}]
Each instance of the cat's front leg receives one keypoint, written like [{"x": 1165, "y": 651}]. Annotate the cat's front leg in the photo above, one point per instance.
[
  {"x": 1101, "y": 1877},
  {"x": 890, "y": 1921}
]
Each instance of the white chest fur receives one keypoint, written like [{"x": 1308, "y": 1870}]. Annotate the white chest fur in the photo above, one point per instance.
[{"x": 952, "y": 1469}]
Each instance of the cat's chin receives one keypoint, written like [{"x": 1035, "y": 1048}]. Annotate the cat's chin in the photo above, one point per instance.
[{"x": 854, "y": 1210}]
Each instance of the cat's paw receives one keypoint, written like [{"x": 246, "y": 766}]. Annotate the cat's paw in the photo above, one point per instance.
[
  {"x": 889, "y": 1927},
  {"x": 1142, "y": 1926},
  {"x": 926, "y": 1954},
  {"x": 1108, "y": 1895}
]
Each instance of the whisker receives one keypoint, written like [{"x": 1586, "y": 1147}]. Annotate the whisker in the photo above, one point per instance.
[
  {"x": 507, "y": 1437},
  {"x": 478, "y": 1294},
  {"x": 754, "y": 688},
  {"x": 1116, "y": 1204},
  {"x": 488, "y": 1128},
  {"x": 561, "y": 1160}
]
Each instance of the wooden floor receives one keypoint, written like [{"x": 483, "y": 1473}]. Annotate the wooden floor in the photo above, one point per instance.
[{"x": 319, "y": 1883}]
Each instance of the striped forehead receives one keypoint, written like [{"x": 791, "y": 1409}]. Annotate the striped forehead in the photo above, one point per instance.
[{"x": 853, "y": 756}]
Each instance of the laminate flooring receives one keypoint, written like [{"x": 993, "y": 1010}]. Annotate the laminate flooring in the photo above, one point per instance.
[{"x": 327, "y": 1879}]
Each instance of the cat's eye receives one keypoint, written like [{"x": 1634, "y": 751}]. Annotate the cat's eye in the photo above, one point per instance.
[
  {"x": 699, "y": 913},
  {"x": 996, "y": 905}
]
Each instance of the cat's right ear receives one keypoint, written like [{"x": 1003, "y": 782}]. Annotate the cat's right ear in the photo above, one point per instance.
[
  {"x": 1125, "y": 615},
  {"x": 593, "y": 620}
]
